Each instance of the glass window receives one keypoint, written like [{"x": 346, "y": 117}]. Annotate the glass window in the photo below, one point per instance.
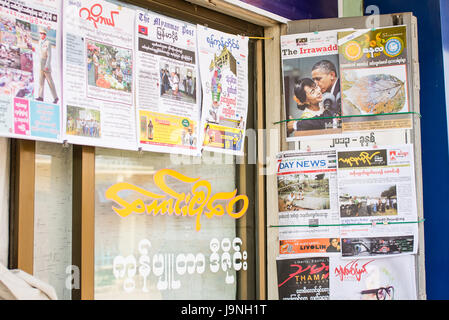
[
  {"x": 159, "y": 249},
  {"x": 53, "y": 216}
]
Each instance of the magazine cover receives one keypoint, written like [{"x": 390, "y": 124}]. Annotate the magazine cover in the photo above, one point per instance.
[
  {"x": 30, "y": 70},
  {"x": 311, "y": 76},
  {"x": 373, "y": 66},
  {"x": 373, "y": 279},
  {"x": 303, "y": 278}
]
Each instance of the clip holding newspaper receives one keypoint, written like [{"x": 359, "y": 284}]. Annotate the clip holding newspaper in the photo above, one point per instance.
[
  {"x": 30, "y": 71},
  {"x": 377, "y": 186}
]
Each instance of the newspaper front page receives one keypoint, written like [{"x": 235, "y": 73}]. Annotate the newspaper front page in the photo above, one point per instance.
[
  {"x": 374, "y": 80},
  {"x": 98, "y": 63},
  {"x": 307, "y": 202},
  {"x": 30, "y": 70},
  {"x": 377, "y": 202},
  {"x": 168, "y": 95},
  {"x": 311, "y": 75},
  {"x": 223, "y": 60}
]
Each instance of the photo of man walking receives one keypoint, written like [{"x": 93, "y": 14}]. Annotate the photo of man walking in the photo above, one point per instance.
[{"x": 45, "y": 67}]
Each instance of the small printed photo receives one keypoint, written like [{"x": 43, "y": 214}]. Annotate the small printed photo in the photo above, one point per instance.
[
  {"x": 177, "y": 82},
  {"x": 109, "y": 67},
  {"x": 83, "y": 122},
  {"x": 376, "y": 246},
  {"x": 16, "y": 83},
  {"x": 303, "y": 192},
  {"x": 368, "y": 200}
]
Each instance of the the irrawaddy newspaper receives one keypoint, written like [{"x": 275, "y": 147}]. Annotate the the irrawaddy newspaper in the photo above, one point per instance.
[
  {"x": 303, "y": 278},
  {"x": 377, "y": 202},
  {"x": 307, "y": 202},
  {"x": 98, "y": 74},
  {"x": 30, "y": 70},
  {"x": 223, "y": 60},
  {"x": 311, "y": 84},
  {"x": 373, "y": 65},
  {"x": 168, "y": 98},
  {"x": 372, "y": 279}
]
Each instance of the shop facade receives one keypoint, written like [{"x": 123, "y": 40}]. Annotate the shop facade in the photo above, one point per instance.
[{"x": 109, "y": 223}]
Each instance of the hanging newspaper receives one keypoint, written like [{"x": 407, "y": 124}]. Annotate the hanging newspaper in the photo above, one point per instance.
[
  {"x": 373, "y": 279},
  {"x": 373, "y": 66},
  {"x": 311, "y": 84},
  {"x": 303, "y": 278},
  {"x": 224, "y": 77},
  {"x": 334, "y": 278},
  {"x": 30, "y": 77},
  {"x": 377, "y": 202},
  {"x": 168, "y": 102},
  {"x": 98, "y": 74},
  {"x": 307, "y": 202}
]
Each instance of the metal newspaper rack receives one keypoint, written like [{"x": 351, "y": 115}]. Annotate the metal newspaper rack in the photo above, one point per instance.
[{"x": 405, "y": 136}]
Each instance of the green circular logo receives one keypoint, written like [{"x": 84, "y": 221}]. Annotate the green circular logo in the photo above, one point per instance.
[{"x": 185, "y": 123}]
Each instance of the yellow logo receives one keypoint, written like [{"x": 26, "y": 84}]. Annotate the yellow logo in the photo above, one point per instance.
[
  {"x": 363, "y": 157},
  {"x": 353, "y": 51},
  {"x": 193, "y": 203}
]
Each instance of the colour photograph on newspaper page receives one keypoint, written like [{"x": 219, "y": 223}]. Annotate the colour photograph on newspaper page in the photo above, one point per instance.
[
  {"x": 30, "y": 70},
  {"x": 372, "y": 279},
  {"x": 303, "y": 278},
  {"x": 168, "y": 101},
  {"x": 307, "y": 199},
  {"x": 98, "y": 74},
  {"x": 377, "y": 202},
  {"x": 311, "y": 76},
  {"x": 223, "y": 60},
  {"x": 373, "y": 66}
]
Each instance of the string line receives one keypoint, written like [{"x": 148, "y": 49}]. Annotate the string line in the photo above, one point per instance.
[
  {"x": 351, "y": 116},
  {"x": 347, "y": 224}
]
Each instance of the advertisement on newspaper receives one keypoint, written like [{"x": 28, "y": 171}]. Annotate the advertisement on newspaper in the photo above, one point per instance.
[
  {"x": 373, "y": 65},
  {"x": 223, "y": 60},
  {"x": 30, "y": 71},
  {"x": 98, "y": 46},
  {"x": 168, "y": 99},
  {"x": 334, "y": 278},
  {"x": 373, "y": 279},
  {"x": 377, "y": 201},
  {"x": 307, "y": 202},
  {"x": 303, "y": 278},
  {"x": 311, "y": 76}
]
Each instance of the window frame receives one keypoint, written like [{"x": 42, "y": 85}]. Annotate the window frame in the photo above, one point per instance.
[{"x": 252, "y": 284}]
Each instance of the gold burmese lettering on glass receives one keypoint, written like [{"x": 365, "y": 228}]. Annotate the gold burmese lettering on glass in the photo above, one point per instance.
[{"x": 196, "y": 202}]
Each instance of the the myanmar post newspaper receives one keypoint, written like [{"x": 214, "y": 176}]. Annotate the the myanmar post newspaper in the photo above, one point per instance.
[{"x": 168, "y": 88}]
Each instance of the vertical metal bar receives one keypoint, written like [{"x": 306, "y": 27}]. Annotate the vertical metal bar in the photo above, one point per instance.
[
  {"x": 83, "y": 220},
  {"x": 22, "y": 205}
]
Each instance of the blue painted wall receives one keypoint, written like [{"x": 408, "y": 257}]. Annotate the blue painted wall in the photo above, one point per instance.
[
  {"x": 434, "y": 131},
  {"x": 298, "y": 9}
]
